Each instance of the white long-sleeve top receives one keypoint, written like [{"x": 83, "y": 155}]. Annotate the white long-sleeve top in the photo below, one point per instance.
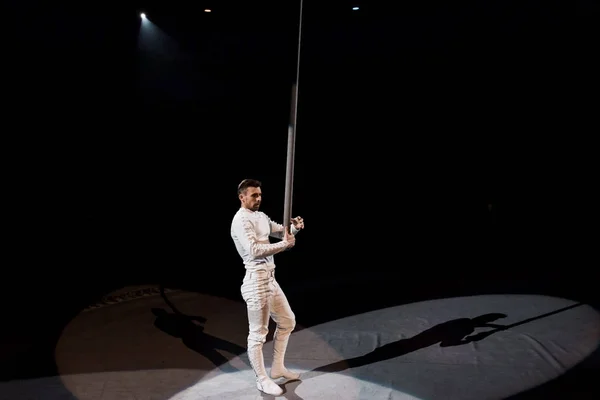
[{"x": 250, "y": 231}]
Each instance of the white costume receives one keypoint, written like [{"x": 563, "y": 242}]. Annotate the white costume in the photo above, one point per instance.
[{"x": 250, "y": 231}]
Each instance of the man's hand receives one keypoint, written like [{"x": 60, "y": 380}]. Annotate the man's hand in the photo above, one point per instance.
[
  {"x": 298, "y": 223},
  {"x": 290, "y": 239}
]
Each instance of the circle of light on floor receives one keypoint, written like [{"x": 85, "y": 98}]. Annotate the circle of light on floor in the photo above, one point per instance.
[{"x": 120, "y": 350}]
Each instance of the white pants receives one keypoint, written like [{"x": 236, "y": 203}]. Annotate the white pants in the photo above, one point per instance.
[{"x": 265, "y": 299}]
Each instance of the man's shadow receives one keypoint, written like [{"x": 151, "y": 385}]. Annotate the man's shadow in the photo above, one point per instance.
[
  {"x": 451, "y": 333},
  {"x": 191, "y": 331}
]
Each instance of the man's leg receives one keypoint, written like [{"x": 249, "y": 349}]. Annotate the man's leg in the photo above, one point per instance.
[
  {"x": 285, "y": 319},
  {"x": 256, "y": 291}
]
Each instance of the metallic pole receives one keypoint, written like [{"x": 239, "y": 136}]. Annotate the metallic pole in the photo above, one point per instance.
[{"x": 289, "y": 175}]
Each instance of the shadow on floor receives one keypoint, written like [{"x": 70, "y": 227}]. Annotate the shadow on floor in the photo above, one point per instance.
[
  {"x": 451, "y": 333},
  {"x": 190, "y": 330}
]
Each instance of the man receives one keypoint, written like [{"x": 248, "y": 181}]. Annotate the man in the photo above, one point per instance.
[{"x": 250, "y": 231}]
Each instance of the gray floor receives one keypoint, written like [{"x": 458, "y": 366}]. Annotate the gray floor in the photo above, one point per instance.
[{"x": 133, "y": 350}]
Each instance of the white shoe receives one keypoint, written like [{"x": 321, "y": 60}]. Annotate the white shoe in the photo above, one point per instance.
[
  {"x": 269, "y": 387},
  {"x": 283, "y": 372}
]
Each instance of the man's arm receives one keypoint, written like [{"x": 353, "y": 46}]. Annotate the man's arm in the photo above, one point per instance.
[
  {"x": 244, "y": 230},
  {"x": 278, "y": 230}
]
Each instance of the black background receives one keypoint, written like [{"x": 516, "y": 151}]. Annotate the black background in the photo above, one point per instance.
[{"x": 433, "y": 139}]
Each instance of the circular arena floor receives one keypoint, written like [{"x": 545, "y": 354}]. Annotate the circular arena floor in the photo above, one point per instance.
[{"x": 187, "y": 345}]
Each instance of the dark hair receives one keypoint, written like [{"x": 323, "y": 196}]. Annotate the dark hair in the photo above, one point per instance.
[{"x": 246, "y": 183}]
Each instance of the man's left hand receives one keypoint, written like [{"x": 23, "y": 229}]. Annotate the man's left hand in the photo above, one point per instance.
[{"x": 298, "y": 223}]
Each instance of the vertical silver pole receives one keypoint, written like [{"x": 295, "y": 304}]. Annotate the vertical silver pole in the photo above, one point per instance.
[
  {"x": 289, "y": 175},
  {"x": 291, "y": 150}
]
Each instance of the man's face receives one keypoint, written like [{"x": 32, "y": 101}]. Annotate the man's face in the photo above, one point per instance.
[{"x": 251, "y": 198}]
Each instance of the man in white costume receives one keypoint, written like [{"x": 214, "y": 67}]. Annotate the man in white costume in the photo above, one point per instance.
[{"x": 250, "y": 231}]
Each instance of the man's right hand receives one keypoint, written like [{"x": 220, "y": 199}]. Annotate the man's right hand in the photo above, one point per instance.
[{"x": 290, "y": 239}]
